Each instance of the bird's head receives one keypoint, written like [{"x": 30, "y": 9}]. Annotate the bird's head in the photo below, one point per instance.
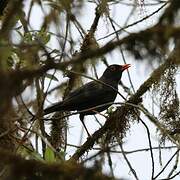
[{"x": 114, "y": 72}]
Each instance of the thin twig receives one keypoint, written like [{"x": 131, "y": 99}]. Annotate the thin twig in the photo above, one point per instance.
[
  {"x": 174, "y": 166},
  {"x": 126, "y": 159},
  {"x": 166, "y": 164},
  {"x": 122, "y": 54},
  {"x": 150, "y": 146},
  {"x": 135, "y": 23}
]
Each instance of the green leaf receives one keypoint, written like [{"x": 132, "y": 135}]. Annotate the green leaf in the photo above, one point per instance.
[
  {"x": 28, "y": 38},
  {"x": 49, "y": 155},
  {"x": 43, "y": 35},
  {"x": 47, "y": 38},
  {"x": 50, "y": 76}
]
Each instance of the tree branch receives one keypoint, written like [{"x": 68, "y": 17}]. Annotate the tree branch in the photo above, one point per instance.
[{"x": 122, "y": 111}]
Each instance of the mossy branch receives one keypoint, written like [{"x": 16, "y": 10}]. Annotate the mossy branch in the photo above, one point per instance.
[
  {"x": 33, "y": 169},
  {"x": 122, "y": 111}
]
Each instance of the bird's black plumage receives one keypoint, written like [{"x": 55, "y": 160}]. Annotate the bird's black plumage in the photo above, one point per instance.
[{"x": 94, "y": 93}]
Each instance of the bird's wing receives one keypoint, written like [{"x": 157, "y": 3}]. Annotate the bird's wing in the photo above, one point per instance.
[
  {"x": 53, "y": 108},
  {"x": 89, "y": 95},
  {"x": 78, "y": 99}
]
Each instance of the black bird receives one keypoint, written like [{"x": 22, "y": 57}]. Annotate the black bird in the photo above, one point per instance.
[{"x": 95, "y": 93}]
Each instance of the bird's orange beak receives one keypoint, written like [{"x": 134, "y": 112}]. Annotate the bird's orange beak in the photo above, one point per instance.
[{"x": 125, "y": 66}]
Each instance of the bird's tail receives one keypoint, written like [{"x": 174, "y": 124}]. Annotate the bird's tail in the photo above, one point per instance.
[{"x": 54, "y": 108}]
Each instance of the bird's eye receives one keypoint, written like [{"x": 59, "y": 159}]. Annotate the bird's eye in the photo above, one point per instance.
[{"x": 113, "y": 68}]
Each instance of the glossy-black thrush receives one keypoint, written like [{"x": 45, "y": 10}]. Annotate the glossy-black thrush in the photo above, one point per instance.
[{"x": 101, "y": 93}]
